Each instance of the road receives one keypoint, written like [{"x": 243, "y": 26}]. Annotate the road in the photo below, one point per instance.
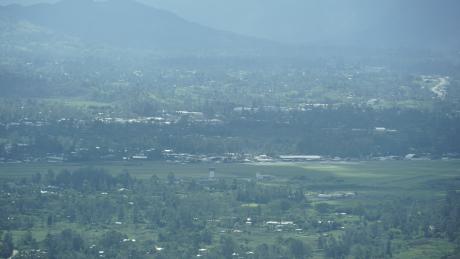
[
  {"x": 440, "y": 88},
  {"x": 15, "y": 252}
]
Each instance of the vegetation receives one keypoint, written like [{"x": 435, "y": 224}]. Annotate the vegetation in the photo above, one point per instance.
[
  {"x": 158, "y": 210},
  {"x": 133, "y": 133}
]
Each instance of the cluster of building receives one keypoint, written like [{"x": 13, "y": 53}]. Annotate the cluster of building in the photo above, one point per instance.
[
  {"x": 170, "y": 156},
  {"x": 165, "y": 118}
]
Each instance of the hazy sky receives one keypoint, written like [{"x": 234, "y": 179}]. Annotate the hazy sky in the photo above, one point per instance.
[{"x": 297, "y": 20}]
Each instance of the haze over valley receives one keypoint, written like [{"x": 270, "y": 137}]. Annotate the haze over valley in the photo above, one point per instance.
[{"x": 217, "y": 129}]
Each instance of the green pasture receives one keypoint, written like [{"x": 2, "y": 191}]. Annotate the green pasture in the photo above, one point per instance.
[
  {"x": 405, "y": 175},
  {"x": 76, "y": 103}
]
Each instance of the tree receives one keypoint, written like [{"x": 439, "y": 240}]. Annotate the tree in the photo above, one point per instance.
[
  {"x": 49, "y": 220},
  {"x": 6, "y": 250},
  {"x": 298, "y": 249},
  {"x": 51, "y": 245},
  {"x": 49, "y": 177},
  {"x": 171, "y": 178},
  {"x": 227, "y": 246},
  {"x": 112, "y": 239},
  {"x": 28, "y": 240}
]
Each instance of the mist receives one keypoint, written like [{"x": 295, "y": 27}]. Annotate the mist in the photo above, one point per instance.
[
  {"x": 380, "y": 24},
  {"x": 254, "y": 129}
]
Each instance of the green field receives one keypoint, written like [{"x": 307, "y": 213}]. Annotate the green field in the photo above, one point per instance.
[{"x": 406, "y": 175}]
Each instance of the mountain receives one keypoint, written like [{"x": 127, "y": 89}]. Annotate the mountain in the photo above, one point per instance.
[
  {"x": 129, "y": 24},
  {"x": 433, "y": 24},
  {"x": 391, "y": 24},
  {"x": 408, "y": 24}
]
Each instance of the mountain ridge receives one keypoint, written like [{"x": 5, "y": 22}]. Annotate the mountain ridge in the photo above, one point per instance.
[{"x": 129, "y": 24}]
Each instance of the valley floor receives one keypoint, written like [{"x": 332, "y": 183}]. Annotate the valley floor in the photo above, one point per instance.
[{"x": 398, "y": 209}]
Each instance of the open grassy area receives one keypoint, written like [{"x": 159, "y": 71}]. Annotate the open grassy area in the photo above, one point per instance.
[
  {"x": 76, "y": 103},
  {"x": 406, "y": 175},
  {"x": 162, "y": 169}
]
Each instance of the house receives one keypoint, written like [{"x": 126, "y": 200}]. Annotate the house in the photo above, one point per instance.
[
  {"x": 384, "y": 130},
  {"x": 139, "y": 157},
  {"x": 264, "y": 177},
  {"x": 263, "y": 158},
  {"x": 55, "y": 158},
  {"x": 336, "y": 195},
  {"x": 212, "y": 172},
  {"x": 410, "y": 156},
  {"x": 300, "y": 158}
]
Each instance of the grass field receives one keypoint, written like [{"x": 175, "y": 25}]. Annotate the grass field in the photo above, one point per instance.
[
  {"x": 76, "y": 103},
  {"x": 370, "y": 174}
]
